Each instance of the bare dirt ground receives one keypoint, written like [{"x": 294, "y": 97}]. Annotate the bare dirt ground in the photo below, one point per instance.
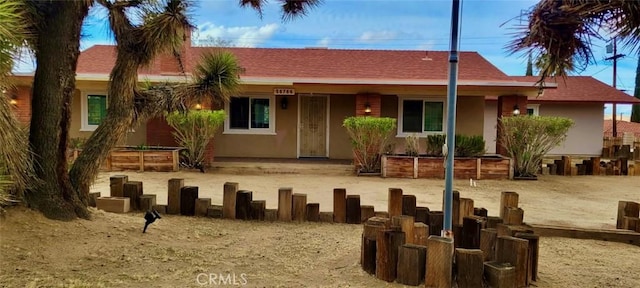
[{"x": 111, "y": 251}]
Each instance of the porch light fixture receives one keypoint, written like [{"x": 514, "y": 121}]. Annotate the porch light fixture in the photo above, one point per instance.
[
  {"x": 284, "y": 103},
  {"x": 367, "y": 108},
  {"x": 198, "y": 106},
  {"x": 13, "y": 102},
  {"x": 516, "y": 110}
]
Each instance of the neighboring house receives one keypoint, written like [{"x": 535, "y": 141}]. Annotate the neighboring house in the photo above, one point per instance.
[
  {"x": 294, "y": 100},
  {"x": 622, "y": 127},
  {"x": 580, "y": 98}
]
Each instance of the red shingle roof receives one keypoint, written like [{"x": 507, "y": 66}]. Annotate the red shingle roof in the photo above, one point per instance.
[
  {"x": 324, "y": 63},
  {"x": 579, "y": 89},
  {"x": 622, "y": 127}
]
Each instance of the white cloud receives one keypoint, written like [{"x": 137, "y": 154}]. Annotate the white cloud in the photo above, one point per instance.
[
  {"x": 324, "y": 42},
  {"x": 377, "y": 37},
  {"x": 241, "y": 36}
]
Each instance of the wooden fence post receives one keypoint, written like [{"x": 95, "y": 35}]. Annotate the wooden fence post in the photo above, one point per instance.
[
  {"x": 230, "y": 189},
  {"x": 188, "y": 196},
  {"x": 500, "y": 275},
  {"x": 387, "y": 244},
  {"x": 470, "y": 268},
  {"x": 508, "y": 199},
  {"x": 284, "y": 204},
  {"x": 353, "y": 209},
  {"x": 406, "y": 224},
  {"x": 173, "y": 202},
  {"x": 439, "y": 262},
  {"x": 409, "y": 205},
  {"x": 202, "y": 205},
  {"x": 488, "y": 237},
  {"x": 313, "y": 212},
  {"x": 257, "y": 211},
  {"x": 147, "y": 201},
  {"x": 515, "y": 251},
  {"x": 243, "y": 204},
  {"x": 395, "y": 202},
  {"x": 133, "y": 190},
  {"x": 366, "y": 212},
  {"x": 299, "y": 210},
  {"x": 411, "y": 264},
  {"x": 116, "y": 185},
  {"x": 340, "y": 205},
  {"x": 626, "y": 208}
]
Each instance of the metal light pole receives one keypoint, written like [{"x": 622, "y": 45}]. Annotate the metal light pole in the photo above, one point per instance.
[{"x": 451, "y": 119}]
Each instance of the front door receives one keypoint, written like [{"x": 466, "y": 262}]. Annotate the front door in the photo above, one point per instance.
[{"x": 313, "y": 126}]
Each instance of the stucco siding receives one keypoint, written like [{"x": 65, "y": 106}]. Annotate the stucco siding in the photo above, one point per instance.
[
  {"x": 341, "y": 107},
  {"x": 281, "y": 145},
  {"x": 585, "y": 137}
]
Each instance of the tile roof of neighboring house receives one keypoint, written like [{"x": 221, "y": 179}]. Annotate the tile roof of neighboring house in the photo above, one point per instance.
[
  {"x": 577, "y": 89},
  {"x": 324, "y": 64},
  {"x": 622, "y": 127}
]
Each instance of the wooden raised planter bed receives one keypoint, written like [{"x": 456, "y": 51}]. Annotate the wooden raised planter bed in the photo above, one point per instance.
[
  {"x": 486, "y": 167},
  {"x": 156, "y": 159}
]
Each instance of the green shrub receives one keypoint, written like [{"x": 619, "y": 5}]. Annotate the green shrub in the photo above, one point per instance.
[
  {"x": 528, "y": 138},
  {"x": 370, "y": 137},
  {"x": 193, "y": 131},
  {"x": 469, "y": 146},
  {"x": 466, "y": 146},
  {"x": 434, "y": 144},
  {"x": 412, "y": 145}
]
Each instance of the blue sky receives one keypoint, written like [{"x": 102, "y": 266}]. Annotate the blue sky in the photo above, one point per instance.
[{"x": 487, "y": 27}]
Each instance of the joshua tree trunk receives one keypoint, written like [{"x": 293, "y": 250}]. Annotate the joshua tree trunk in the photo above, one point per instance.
[
  {"x": 114, "y": 127},
  {"x": 57, "y": 51}
]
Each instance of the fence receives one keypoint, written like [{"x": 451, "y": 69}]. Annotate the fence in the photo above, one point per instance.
[{"x": 626, "y": 146}]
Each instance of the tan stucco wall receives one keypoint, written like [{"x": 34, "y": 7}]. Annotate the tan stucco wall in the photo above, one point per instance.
[
  {"x": 281, "y": 145},
  {"x": 469, "y": 118},
  {"x": 341, "y": 107},
  {"x": 138, "y": 137},
  {"x": 584, "y": 138}
]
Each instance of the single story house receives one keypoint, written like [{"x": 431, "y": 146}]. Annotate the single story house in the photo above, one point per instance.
[{"x": 294, "y": 100}]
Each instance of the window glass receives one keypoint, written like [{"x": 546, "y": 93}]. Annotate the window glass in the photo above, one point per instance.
[
  {"x": 259, "y": 113},
  {"x": 412, "y": 116},
  {"x": 239, "y": 113},
  {"x": 433, "y": 112},
  {"x": 96, "y": 109}
]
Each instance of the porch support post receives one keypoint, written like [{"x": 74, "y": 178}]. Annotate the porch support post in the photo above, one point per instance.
[{"x": 506, "y": 106}]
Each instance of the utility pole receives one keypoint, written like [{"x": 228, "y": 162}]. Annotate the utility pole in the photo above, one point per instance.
[
  {"x": 452, "y": 91},
  {"x": 615, "y": 77}
]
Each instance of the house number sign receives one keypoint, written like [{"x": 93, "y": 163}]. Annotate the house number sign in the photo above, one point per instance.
[{"x": 284, "y": 91}]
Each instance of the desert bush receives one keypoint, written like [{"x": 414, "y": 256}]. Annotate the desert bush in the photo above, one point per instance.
[
  {"x": 434, "y": 144},
  {"x": 528, "y": 138},
  {"x": 469, "y": 146},
  {"x": 466, "y": 146},
  {"x": 412, "y": 145},
  {"x": 369, "y": 138},
  {"x": 193, "y": 131}
]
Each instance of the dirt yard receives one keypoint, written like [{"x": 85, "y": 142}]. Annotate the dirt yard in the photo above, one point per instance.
[{"x": 111, "y": 251}]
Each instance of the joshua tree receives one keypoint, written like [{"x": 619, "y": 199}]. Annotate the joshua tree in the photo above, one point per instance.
[
  {"x": 143, "y": 29},
  {"x": 559, "y": 32}
]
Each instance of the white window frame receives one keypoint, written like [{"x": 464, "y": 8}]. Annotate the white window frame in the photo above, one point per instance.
[
  {"x": 441, "y": 99},
  {"x": 84, "y": 111},
  {"x": 253, "y": 131},
  {"x": 535, "y": 108}
]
